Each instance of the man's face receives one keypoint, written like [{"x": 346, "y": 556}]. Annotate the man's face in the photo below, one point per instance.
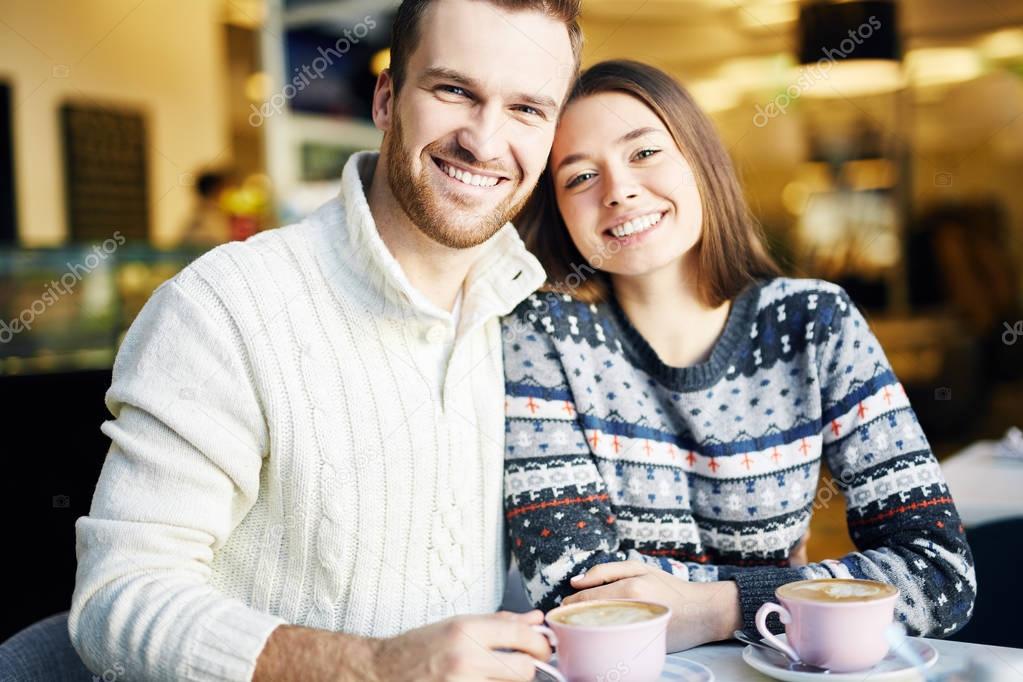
[{"x": 470, "y": 131}]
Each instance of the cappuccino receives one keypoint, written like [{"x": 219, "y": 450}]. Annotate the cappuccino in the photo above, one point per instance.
[
  {"x": 607, "y": 614},
  {"x": 836, "y": 590},
  {"x": 594, "y": 637}
]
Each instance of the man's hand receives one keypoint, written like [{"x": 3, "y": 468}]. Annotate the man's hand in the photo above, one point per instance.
[
  {"x": 701, "y": 612},
  {"x": 499, "y": 646},
  {"x": 465, "y": 648}
]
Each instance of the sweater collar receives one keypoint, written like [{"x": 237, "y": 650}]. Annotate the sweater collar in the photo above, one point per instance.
[
  {"x": 502, "y": 277},
  {"x": 703, "y": 374}
]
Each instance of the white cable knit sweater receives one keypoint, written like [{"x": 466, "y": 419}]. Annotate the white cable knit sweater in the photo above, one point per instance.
[{"x": 281, "y": 451}]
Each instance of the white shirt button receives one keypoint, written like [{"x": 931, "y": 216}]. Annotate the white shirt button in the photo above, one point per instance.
[{"x": 436, "y": 334}]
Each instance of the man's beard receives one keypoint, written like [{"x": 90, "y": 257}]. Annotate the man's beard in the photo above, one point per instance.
[{"x": 433, "y": 215}]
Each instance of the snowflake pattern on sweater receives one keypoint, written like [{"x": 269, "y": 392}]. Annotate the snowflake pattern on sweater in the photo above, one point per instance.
[{"x": 711, "y": 471}]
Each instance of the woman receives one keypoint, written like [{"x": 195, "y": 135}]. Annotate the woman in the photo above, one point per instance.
[{"x": 671, "y": 397}]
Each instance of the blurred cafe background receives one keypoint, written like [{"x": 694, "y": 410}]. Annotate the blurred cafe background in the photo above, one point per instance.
[{"x": 880, "y": 144}]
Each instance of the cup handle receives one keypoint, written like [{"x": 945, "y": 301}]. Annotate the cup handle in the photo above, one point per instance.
[
  {"x": 761, "y": 620},
  {"x": 553, "y": 639}
]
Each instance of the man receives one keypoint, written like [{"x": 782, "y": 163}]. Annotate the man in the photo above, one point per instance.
[{"x": 305, "y": 468}]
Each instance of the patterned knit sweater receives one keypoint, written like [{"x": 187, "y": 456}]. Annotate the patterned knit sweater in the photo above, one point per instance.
[{"x": 710, "y": 471}]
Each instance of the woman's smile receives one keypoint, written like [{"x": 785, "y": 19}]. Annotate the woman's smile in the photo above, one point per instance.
[{"x": 635, "y": 227}]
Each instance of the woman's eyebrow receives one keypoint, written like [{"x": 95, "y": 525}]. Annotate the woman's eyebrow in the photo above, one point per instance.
[
  {"x": 627, "y": 137},
  {"x": 638, "y": 132}
]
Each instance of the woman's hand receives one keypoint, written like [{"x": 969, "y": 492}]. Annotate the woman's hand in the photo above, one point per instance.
[
  {"x": 798, "y": 555},
  {"x": 700, "y": 612}
]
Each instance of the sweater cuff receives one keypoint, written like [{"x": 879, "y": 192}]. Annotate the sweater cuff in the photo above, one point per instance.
[
  {"x": 229, "y": 643},
  {"x": 757, "y": 587}
]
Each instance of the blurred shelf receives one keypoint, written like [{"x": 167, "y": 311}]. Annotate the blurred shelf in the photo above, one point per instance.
[{"x": 66, "y": 309}]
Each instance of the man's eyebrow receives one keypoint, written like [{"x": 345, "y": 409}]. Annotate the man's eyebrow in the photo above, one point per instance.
[
  {"x": 440, "y": 73},
  {"x": 627, "y": 137},
  {"x": 538, "y": 101}
]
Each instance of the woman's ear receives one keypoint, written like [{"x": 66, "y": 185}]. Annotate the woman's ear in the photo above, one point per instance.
[{"x": 383, "y": 101}]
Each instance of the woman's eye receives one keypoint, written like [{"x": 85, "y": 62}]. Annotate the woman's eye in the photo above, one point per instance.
[
  {"x": 579, "y": 179},
  {"x": 646, "y": 153}
]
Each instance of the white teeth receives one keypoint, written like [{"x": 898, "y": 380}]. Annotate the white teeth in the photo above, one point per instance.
[
  {"x": 470, "y": 178},
  {"x": 636, "y": 225}
]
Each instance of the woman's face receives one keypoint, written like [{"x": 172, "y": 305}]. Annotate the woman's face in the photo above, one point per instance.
[{"x": 626, "y": 193}]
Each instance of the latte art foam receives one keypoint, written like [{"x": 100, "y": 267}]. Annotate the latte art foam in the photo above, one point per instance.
[
  {"x": 836, "y": 590},
  {"x": 603, "y": 615}
]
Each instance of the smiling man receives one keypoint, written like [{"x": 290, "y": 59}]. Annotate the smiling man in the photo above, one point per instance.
[{"x": 305, "y": 472}]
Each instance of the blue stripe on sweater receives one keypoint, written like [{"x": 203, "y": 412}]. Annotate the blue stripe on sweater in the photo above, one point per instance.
[
  {"x": 737, "y": 447},
  {"x": 616, "y": 428},
  {"x": 516, "y": 390}
]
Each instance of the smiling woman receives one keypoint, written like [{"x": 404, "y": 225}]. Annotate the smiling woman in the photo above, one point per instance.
[
  {"x": 671, "y": 401},
  {"x": 664, "y": 126}
]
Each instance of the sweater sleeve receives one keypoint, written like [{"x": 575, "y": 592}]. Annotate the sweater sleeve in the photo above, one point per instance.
[
  {"x": 900, "y": 515},
  {"x": 187, "y": 444},
  {"x": 559, "y": 518}
]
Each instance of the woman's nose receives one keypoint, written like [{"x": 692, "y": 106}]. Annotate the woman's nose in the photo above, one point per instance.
[
  {"x": 620, "y": 186},
  {"x": 619, "y": 194}
]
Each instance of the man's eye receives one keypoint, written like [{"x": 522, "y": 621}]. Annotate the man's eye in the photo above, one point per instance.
[
  {"x": 526, "y": 109},
  {"x": 579, "y": 179},
  {"x": 454, "y": 90}
]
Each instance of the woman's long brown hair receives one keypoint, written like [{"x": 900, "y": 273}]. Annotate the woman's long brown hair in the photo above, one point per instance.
[{"x": 730, "y": 252}]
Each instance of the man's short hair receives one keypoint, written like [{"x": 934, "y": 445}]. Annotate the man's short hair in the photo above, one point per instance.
[{"x": 405, "y": 32}]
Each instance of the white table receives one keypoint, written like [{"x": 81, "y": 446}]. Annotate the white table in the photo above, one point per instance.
[
  {"x": 725, "y": 660},
  {"x": 985, "y": 488}
]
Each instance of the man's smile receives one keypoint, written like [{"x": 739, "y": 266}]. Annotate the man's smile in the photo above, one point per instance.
[{"x": 468, "y": 176}]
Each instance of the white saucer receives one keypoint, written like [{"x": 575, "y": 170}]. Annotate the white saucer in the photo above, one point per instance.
[
  {"x": 675, "y": 670},
  {"x": 890, "y": 667},
  {"x": 683, "y": 670}
]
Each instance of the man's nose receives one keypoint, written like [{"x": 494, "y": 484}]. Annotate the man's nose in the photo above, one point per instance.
[{"x": 482, "y": 135}]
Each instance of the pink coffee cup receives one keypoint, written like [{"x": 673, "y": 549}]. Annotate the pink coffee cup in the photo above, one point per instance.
[
  {"x": 625, "y": 651},
  {"x": 835, "y": 623}
]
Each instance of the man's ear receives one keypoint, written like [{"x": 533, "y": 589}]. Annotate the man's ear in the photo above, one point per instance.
[{"x": 383, "y": 101}]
